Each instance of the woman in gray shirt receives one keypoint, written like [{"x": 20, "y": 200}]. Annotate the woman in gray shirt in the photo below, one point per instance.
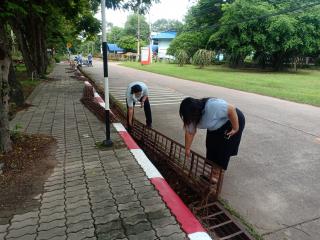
[{"x": 224, "y": 124}]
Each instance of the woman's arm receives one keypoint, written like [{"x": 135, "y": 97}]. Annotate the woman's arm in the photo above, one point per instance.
[
  {"x": 188, "y": 142},
  {"x": 233, "y": 117}
]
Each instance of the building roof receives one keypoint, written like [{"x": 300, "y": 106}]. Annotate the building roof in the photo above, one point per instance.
[
  {"x": 112, "y": 47},
  {"x": 165, "y": 35}
]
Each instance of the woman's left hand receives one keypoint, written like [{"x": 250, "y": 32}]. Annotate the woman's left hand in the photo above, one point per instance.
[{"x": 232, "y": 132}]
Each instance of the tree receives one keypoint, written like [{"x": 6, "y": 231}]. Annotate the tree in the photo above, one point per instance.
[
  {"x": 128, "y": 43},
  {"x": 190, "y": 42},
  {"x": 131, "y": 26},
  {"x": 115, "y": 34},
  {"x": 5, "y": 61},
  {"x": 162, "y": 25},
  {"x": 205, "y": 15},
  {"x": 271, "y": 32}
]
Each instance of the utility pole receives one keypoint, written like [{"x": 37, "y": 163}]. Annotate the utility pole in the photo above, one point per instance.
[
  {"x": 151, "y": 53},
  {"x": 107, "y": 142},
  {"x": 138, "y": 48}
]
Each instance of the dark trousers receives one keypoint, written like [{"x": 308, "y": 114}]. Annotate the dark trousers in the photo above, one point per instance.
[
  {"x": 147, "y": 112},
  {"x": 220, "y": 148}
]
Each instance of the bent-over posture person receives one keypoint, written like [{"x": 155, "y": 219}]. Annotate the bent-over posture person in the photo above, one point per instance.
[
  {"x": 224, "y": 124},
  {"x": 138, "y": 91}
]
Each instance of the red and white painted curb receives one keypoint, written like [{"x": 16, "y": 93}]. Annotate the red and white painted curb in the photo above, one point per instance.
[
  {"x": 190, "y": 225},
  {"x": 96, "y": 96}
]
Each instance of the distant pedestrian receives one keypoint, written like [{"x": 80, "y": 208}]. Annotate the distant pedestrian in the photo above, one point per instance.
[
  {"x": 90, "y": 60},
  {"x": 79, "y": 57},
  {"x": 224, "y": 124},
  {"x": 138, "y": 91}
]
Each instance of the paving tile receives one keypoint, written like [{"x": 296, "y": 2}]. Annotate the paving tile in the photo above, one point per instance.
[
  {"x": 103, "y": 204},
  {"x": 150, "y": 235},
  {"x": 79, "y": 218},
  {"x": 164, "y": 221},
  {"x": 25, "y": 216},
  {"x": 107, "y": 218},
  {"x": 53, "y": 193},
  {"x": 24, "y": 237},
  {"x": 25, "y": 223},
  {"x": 105, "y": 211},
  {"x": 28, "y": 230},
  {"x": 135, "y": 219},
  {"x": 3, "y": 228},
  {"x": 122, "y": 199},
  {"x": 138, "y": 228},
  {"x": 112, "y": 234},
  {"x": 52, "y": 217},
  {"x": 54, "y": 232},
  {"x": 79, "y": 210},
  {"x": 131, "y": 212},
  {"x": 107, "y": 227},
  {"x": 129, "y": 205},
  {"x": 175, "y": 236},
  {"x": 76, "y": 227},
  {"x": 53, "y": 224},
  {"x": 168, "y": 230},
  {"x": 48, "y": 205},
  {"x": 82, "y": 234},
  {"x": 50, "y": 211}
]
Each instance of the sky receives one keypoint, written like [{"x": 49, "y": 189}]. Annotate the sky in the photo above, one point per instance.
[{"x": 168, "y": 9}]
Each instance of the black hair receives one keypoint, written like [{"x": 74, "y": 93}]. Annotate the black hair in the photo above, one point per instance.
[
  {"x": 136, "y": 88},
  {"x": 191, "y": 110}
]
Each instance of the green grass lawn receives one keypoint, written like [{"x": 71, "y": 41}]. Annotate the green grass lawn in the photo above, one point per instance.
[{"x": 302, "y": 87}]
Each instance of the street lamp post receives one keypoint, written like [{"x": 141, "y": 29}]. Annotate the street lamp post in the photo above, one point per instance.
[{"x": 107, "y": 142}]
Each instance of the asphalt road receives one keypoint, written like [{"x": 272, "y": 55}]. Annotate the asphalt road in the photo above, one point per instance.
[{"x": 274, "y": 181}]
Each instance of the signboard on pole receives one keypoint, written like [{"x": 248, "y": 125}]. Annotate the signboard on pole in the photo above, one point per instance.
[{"x": 145, "y": 55}]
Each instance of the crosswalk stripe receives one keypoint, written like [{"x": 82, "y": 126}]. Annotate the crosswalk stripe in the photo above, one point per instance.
[
  {"x": 156, "y": 101},
  {"x": 150, "y": 93},
  {"x": 158, "y": 96},
  {"x": 152, "y": 97}
]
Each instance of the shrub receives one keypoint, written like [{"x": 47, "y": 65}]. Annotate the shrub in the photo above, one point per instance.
[
  {"x": 57, "y": 59},
  {"x": 202, "y": 58},
  {"x": 181, "y": 57}
]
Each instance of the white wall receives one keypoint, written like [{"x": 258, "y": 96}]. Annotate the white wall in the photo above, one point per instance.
[{"x": 162, "y": 48}]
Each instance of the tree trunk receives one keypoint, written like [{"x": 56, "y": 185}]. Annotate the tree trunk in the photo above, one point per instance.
[
  {"x": 30, "y": 33},
  {"x": 16, "y": 93},
  {"x": 5, "y": 61},
  {"x": 24, "y": 48}
]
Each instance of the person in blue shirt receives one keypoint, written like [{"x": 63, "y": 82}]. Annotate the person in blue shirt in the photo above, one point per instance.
[
  {"x": 138, "y": 91},
  {"x": 224, "y": 124},
  {"x": 90, "y": 60}
]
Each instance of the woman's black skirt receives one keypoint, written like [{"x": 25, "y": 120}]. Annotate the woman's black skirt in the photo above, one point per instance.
[{"x": 219, "y": 148}]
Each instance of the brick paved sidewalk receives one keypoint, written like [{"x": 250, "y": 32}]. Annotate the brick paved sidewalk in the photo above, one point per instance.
[{"x": 91, "y": 194}]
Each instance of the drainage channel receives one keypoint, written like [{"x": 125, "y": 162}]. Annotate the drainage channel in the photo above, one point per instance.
[{"x": 186, "y": 176}]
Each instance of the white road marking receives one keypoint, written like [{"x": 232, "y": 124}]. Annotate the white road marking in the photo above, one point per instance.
[{"x": 158, "y": 96}]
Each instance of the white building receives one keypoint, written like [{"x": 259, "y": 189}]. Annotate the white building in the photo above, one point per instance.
[{"x": 161, "y": 42}]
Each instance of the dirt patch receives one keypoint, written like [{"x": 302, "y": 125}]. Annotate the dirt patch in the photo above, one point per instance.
[{"x": 25, "y": 170}]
